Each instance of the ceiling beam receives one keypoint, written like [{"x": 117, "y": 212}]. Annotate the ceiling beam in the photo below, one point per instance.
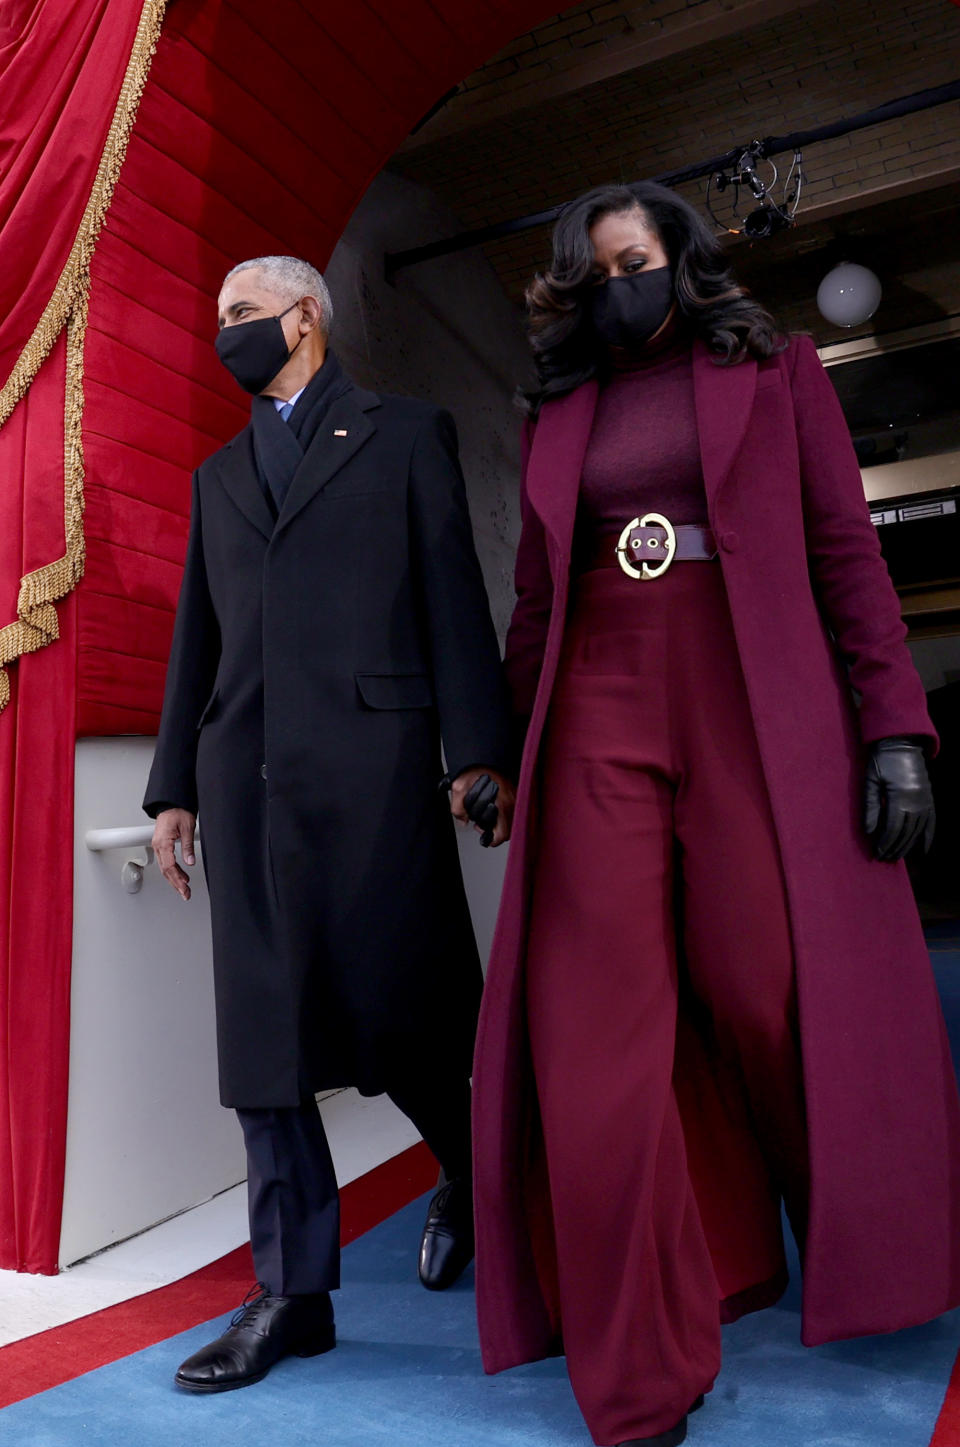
[{"x": 467, "y": 110}]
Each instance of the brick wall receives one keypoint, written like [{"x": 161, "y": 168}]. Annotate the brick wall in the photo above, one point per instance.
[
  {"x": 595, "y": 31},
  {"x": 815, "y": 64}
]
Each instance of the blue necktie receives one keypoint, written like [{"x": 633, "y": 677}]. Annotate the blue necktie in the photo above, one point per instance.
[{"x": 285, "y": 411}]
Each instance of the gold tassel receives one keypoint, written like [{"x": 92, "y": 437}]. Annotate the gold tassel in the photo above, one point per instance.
[{"x": 36, "y": 624}]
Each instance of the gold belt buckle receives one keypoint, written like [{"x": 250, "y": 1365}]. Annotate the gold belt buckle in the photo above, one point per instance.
[{"x": 629, "y": 553}]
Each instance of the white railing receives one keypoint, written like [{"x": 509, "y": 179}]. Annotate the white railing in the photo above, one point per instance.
[{"x": 134, "y": 841}]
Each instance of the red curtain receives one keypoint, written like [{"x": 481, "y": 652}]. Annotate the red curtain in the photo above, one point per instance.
[
  {"x": 36, "y": 846},
  {"x": 61, "y": 70}
]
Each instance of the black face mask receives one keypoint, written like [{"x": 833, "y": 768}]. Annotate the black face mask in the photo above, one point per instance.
[
  {"x": 626, "y": 310},
  {"x": 254, "y": 352}
]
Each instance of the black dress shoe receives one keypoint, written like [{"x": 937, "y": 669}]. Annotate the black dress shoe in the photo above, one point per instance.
[
  {"x": 265, "y": 1329},
  {"x": 446, "y": 1247},
  {"x": 672, "y": 1437}
]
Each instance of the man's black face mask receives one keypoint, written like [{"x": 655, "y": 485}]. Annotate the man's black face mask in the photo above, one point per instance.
[
  {"x": 626, "y": 310},
  {"x": 254, "y": 352}
]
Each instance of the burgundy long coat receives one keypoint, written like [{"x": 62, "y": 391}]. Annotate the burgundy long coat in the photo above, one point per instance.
[{"x": 808, "y": 593}]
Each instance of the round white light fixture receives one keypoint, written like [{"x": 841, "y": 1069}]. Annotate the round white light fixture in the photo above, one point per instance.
[{"x": 849, "y": 294}]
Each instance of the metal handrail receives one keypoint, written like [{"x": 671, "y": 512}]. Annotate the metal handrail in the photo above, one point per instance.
[
  {"x": 135, "y": 836},
  {"x": 136, "y": 842}
]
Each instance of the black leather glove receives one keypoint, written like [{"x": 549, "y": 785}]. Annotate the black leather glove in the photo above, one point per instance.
[
  {"x": 480, "y": 802},
  {"x": 898, "y": 799}
]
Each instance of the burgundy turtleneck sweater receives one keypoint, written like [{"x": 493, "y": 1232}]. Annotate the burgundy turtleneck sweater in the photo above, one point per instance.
[{"x": 644, "y": 452}]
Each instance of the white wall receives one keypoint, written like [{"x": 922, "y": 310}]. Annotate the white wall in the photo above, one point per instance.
[{"x": 146, "y": 1135}]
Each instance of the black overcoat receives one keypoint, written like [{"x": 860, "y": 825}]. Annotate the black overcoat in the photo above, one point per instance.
[{"x": 317, "y": 662}]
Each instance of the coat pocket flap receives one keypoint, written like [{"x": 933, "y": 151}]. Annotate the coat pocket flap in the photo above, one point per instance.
[{"x": 395, "y": 690}]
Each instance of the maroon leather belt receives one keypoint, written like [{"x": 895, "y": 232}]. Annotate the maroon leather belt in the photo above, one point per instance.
[{"x": 646, "y": 547}]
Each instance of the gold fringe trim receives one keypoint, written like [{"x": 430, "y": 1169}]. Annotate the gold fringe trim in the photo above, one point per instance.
[{"x": 36, "y": 624}]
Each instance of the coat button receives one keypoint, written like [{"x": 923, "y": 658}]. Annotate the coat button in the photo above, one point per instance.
[
  {"x": 729, "y": 542},
  {"x": 263, "y": 771}
]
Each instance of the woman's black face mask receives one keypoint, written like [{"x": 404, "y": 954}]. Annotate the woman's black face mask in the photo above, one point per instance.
[
  {"x": 254, "y": 352},
  {"x": 626, "y": 310}
]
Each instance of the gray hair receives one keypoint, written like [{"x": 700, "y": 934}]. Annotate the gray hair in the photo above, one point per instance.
[{"x": 291, "y": 279}]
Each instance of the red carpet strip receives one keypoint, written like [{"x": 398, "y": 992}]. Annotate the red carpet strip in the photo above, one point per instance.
[
  {"x": 50, "y": 1357},
  {"x": 947, "y": 1431}
]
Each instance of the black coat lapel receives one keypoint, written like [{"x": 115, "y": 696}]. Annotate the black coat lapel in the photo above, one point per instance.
[
  {"x": 341, "y": 434},
  {"x": 238, "y": 473}
]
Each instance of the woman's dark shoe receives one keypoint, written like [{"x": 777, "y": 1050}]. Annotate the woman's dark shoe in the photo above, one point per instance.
[
  {"x": 265, "y": 1329},
  {"x": 672, "y": 1437},
  {"x": 446, "y": 1247}
]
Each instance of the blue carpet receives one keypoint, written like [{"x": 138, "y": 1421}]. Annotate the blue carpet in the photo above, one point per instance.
[{"x": 407, "y": 1372}]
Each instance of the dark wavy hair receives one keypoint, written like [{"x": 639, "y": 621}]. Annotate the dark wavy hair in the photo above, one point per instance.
[{"x": 716, "y": 308}]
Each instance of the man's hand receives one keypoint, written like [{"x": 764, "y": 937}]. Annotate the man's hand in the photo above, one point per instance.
[
  {"x": 505, "y": 800},
  {"x": 171, "y": 825}
]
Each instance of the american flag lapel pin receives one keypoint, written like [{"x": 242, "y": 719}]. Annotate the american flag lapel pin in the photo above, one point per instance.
[{"x": 339, "y": 432}]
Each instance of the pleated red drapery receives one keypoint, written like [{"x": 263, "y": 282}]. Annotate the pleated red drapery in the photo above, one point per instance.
[
  {"x": 36, "y": 850},
  {"x": 62, "y": 69},
  {"x": 259, "y": 129}
]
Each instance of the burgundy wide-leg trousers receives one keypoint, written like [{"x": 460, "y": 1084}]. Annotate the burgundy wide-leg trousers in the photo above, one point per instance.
[{"x": 657, "y": 875}]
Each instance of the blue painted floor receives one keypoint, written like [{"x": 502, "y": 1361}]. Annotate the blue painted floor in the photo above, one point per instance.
[{"x": 407, "y": 1373}]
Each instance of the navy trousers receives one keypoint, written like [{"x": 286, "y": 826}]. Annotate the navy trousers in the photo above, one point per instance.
[{"x": 292, "y": 1187}]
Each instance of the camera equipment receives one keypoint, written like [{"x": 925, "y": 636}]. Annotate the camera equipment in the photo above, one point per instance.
[{"x": 745, "y": 180}]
